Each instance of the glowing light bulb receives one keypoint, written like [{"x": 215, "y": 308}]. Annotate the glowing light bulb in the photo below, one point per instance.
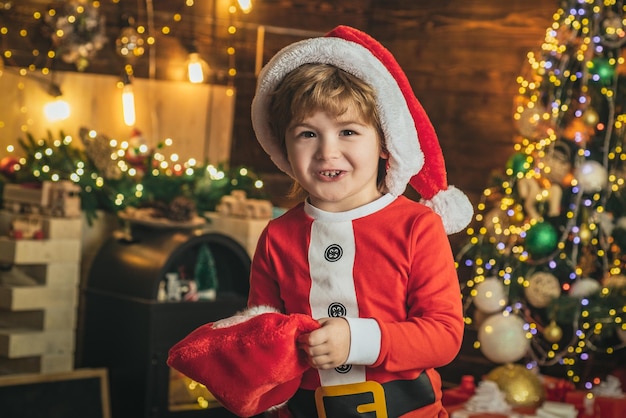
[
  {"x": 245, "y": 5},
  {"x": 128, "y": 104},
  {"x": 57, "y": 110},
  {"x": 196, "y": 68}
]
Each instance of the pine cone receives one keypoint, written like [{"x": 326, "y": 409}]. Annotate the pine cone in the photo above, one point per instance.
[
  {"x": 181, "y": 209},
  {"x": 158, "y": 208}
]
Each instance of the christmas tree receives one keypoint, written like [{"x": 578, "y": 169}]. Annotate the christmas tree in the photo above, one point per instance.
[
  {"x": 543, "y": 271},
  {"x": 205, "y": 273}
]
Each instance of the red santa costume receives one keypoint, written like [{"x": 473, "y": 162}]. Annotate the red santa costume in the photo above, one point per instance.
[
  {"x": 396, "y": 286},
  {"x": 386, "y": 267}
]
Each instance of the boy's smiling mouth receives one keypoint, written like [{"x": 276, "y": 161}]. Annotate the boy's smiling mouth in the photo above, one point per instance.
[{"x": 330, "y": 173}]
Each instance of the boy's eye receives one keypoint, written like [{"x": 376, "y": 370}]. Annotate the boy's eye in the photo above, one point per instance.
[
  {"x": 347, "y": 132},
  {"x": 306, "y": 134}
]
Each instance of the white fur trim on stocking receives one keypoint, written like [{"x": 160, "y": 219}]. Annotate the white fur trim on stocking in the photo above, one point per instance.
[{"x": 243, "y": 316}]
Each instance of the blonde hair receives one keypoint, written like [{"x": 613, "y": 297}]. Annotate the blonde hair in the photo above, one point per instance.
[{"x": 323, "y": 87}]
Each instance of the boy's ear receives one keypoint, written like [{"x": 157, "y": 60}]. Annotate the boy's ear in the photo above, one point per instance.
[{"x": 384, "y": 153}]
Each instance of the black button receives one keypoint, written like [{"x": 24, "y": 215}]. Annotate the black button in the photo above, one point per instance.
[
  {"x": 343, "y": 369},
  {"x": 333, "y": 253},
  {"x": 336, "y": 310}
]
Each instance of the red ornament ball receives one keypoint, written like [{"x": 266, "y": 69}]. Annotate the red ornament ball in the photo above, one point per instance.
[{"x": 9, "y": 165}]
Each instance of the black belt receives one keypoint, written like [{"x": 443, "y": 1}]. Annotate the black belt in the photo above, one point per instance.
[{"x": 401, "y": 396}]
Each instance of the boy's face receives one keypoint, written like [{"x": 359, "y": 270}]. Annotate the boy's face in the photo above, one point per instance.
[{"x": 335, "y": 159}]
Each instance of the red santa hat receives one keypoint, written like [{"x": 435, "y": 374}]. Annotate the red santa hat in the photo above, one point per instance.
[
  {"x": 415, "y": 156},
  {"x": 250, "y": 362}
]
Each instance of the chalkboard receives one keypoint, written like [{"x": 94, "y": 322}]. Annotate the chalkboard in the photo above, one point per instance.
[{"x": 81, "y": 393}]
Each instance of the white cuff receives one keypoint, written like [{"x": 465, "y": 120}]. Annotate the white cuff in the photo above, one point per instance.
[{"x": 364, "y": 341}]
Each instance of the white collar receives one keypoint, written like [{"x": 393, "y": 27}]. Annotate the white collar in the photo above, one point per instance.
[{"x": 360, "y": 212}]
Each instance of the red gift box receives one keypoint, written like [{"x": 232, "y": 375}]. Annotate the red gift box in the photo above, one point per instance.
[
  {"x": 598, "y": 406},
  {"x": 459, "y": 409},
  {"x": 556, "y": 388},
  {"x": 460, "y": 394},
  {"x": 611, "y": 407}
]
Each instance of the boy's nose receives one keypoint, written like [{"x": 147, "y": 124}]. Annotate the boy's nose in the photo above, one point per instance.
[{"x": 328, "y": 149}]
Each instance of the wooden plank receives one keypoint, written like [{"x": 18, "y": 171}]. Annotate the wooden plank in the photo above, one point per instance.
[
  {"x": 15, "y": 342},
  {"x": 60, "y": 318},
  {"x": 24, "y": 319},
  {"x": 59, "y": 342},
  {"x": 53, "y": 228},
  {"x": 38, "y": 251},
  {"x": 37, "y": 297},
  {"x": 63, "y": 228},
  {"x": 24, "y": 342},
  {"x": 61, "y": 274},
  {"x": 75, "y": 374},
  {"x": 54, "y": 318},
  {"x": 56, "y": 363},
  {"x": 42, "y": 365},
  {"x": 5, "y": 222},
  {"x": 24, "y": 365}
]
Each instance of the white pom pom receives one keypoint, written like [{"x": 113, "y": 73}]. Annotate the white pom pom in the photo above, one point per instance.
[{"x": 454, "y": 207}]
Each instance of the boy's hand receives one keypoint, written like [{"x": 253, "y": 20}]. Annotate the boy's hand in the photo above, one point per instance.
[{"x": 329, "y": 346}]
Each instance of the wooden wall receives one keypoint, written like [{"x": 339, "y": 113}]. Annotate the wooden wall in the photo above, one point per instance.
[{"x": 461, "y": 58}]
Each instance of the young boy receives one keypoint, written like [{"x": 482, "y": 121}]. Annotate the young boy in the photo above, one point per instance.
[{"x": 374, "y": 268}]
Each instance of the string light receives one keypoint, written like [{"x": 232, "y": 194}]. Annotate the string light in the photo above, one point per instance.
[
  {"x": 196, "y": 68},
  {"x": 128, "y": 98},
  {"x": 245, "y": 5},
  {"x": 58, "y": 109}
]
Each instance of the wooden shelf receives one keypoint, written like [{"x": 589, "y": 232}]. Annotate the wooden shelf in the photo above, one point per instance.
[{"x": 39, "y": 297}]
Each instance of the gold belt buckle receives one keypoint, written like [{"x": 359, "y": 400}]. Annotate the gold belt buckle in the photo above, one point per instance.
[{"x": 379, "y": 405}]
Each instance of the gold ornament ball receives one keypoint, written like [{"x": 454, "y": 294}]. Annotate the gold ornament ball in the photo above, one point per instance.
[
  {"x": 496, "y": 222},
  {"x": 520, "y": 386},
  {"x": 518, "y": 214},
  {"x": 542, "y": 288},
  {"x": 530, "y": 121},
  {"x": 585, "y": 234},
  {"x": 553, "y": 332},
  {"x": 590, "y": 117}
]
